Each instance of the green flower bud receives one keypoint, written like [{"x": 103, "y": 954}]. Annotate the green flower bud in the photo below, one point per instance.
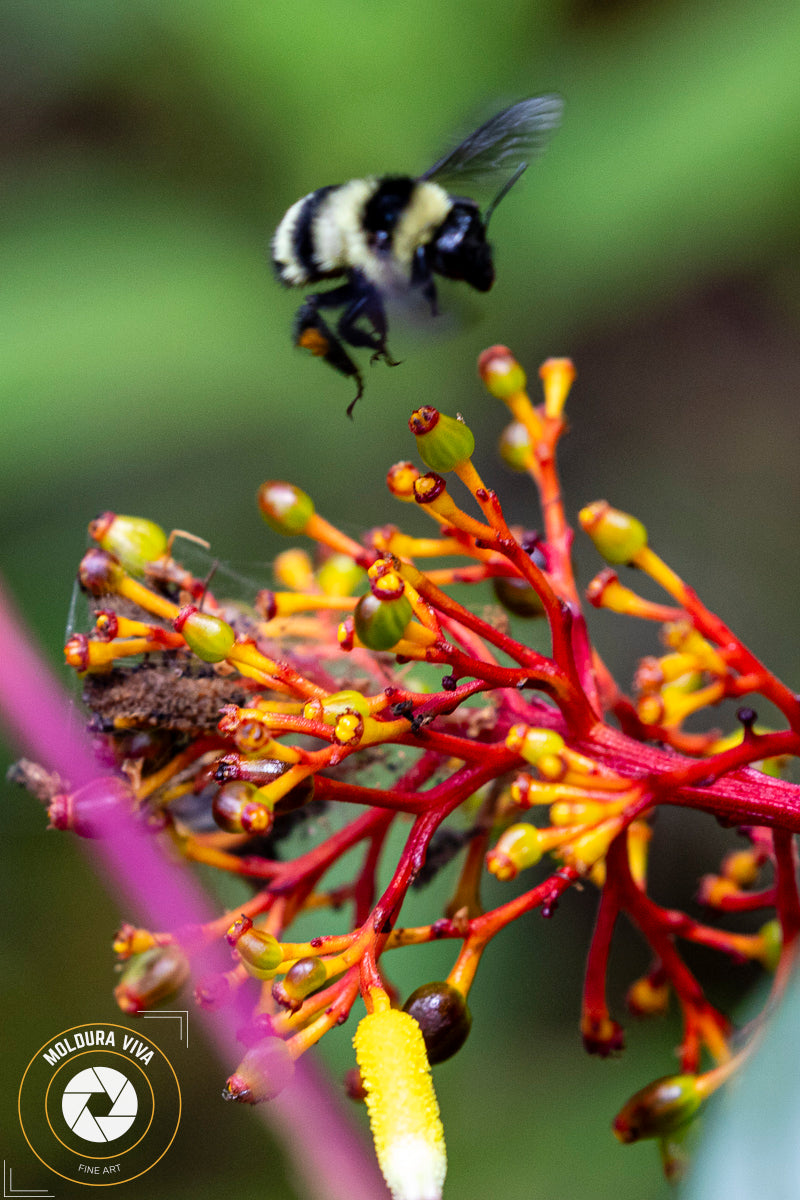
[
  {"x": 618, "y": 536},
  {"x": 151, "y": 977},
  {"x": 305, "y": 977},
  {"x": 443, "y": 442},
  {"x": 773, "y": 944},
  {"x": 515, "y": 446},
  {"x": 134, "y": 540},
  {"x": 284, "y": 507},
  {"x": 207, "y": 636},
  {"x": 237, "y": 809},
  {"x": 382, "y": 615},
  {"x": 442, "y": 1013},
  {"x": 658, "y": 1109},
  {"x": 340, "y": 576},
  {"x": 260, "y": 952},
  {"x": 502, "y": 375},
  {"x": 100, "y": 572}
]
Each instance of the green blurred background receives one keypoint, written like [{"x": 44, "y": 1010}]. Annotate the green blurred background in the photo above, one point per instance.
[{"x": 148, "y": 151}]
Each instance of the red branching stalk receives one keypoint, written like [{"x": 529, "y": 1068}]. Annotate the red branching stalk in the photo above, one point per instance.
[{"x": 314, "y": 703}]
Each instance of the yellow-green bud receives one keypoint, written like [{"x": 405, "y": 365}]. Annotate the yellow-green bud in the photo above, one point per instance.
[
  {"x": 515, "y": 446},
  {"x": 519, "y": 847},
  {"x": 334, "y": 706},
  {"x": 534, "y": 743},
  {"x": 340, "y": 576},
  {"x": 658, "y": 1109},
  {"x": 284, "y": 507},
  {"x": 134, "y": 540},
  {"x": 617, "y": 535},
  {"x": 304, "y": 977},
  {"x": 150, "y": 977},
  {"x": 502, "y": 375},
  {"x": 443, "y": 442},
  {"x": 207, "y": 636},
  {"x": 237, "y": 808},
  {"x": 773, "y": 944},
  {"x": 381, "y": 619},
  {"x": 260, "y": 952}
]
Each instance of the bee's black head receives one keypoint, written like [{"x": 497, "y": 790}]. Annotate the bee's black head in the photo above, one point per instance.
[{"x": 459, "y": 249}]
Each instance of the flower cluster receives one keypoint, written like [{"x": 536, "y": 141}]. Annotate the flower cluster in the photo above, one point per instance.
[{"x": 230, "y": 723}]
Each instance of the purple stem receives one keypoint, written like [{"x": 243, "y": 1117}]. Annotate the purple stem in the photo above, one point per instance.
[{"x": 329, "y": 1156}]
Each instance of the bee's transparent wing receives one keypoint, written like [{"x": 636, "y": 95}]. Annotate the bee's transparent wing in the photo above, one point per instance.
[{"x": 500, "y": 149}]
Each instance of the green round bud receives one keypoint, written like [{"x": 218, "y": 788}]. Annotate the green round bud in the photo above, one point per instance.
[
  {"x": 443, "y": 442},
  {"x": 135, "y": 540},
  {"x": 99, "y": 572},
  {"x": 207, "y": 636},
  {"x": 617, "y": 535},
  {"x": 658, "y": 1109},
  {"x": 150, "y": 977},
  {"x": 237, "y": 808},
  {"x": 284, "y": 507},
  {"x": 305, "y": 977},
  {"x": 442, "y": 1013},
  {"x": 502, "y": 375},
  {"x": 773, "y": 944},
  {"x": 381, "y": 623},
  {"x": 515, "y": 446},
  {"x": 260, "y": 952},
  {"x": 340, "y": 576}
]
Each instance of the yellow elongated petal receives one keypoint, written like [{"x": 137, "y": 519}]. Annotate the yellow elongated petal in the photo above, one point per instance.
[{"x": 402, "y": 1105}]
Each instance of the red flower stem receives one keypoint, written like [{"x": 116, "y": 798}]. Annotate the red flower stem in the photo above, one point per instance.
[
  {"x": 495, "y": 637},
  {"x": 737, "y": 654},
  {"x": 787, "y": 901},
  {"x": 290, "y": 875},
  {"x": 746, "y": 901},
  {"x": 558, "y": 534},
  {"x": 364, "y": 887},
  {"x": 649, "y": 918},
  {"x": 595, "y": 1005},
  {"x": 453, "y": 792},
  {"x": 493, "y": 760},
  {"x": 483, "y": 928},
  {"x": 743, "y": 797},
  {"x": 545, "y": 675}
]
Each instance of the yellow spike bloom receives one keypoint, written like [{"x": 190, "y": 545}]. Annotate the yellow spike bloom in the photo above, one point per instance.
[{"x": 402, "y": 1105}]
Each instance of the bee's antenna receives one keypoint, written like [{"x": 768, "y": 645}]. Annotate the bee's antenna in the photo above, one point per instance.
[{"x": 507, "y": 186}]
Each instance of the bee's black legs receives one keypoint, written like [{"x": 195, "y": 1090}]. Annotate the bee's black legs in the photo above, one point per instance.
[
  {"x": 312, "y": 333},
  {"x": 422, "y": 278},
  {"x": 361, "y": 302},
  {"x": 365, "y": 304}
]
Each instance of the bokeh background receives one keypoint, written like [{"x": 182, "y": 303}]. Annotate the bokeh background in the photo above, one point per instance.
[{"x": 147, "y": 152}]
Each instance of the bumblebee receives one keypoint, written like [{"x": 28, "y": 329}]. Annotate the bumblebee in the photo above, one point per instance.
[{"x": 386, "y": 235}]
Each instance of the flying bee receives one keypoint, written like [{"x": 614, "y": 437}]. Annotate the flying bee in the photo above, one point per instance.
[{"x": 391, "y": 234}]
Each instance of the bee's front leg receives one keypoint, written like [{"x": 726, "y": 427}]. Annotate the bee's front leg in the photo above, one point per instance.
[
  {"x": 365, "y": 304},
  {"x": 311, "y": 332}
]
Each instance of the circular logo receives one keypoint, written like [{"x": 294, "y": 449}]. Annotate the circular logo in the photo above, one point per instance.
[
  {"x": 85, "y": 1087},
  {"x": 99, "y": 1104}
]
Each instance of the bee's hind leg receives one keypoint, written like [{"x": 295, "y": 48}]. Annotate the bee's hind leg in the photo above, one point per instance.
[
  {"x": 366, "y": 304},
  {"x": 311, "y": 332}
]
